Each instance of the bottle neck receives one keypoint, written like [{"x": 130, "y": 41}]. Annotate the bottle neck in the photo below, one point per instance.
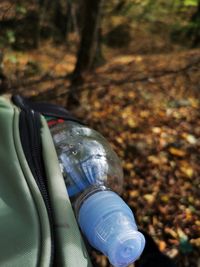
[{"x": 86, "y": 194}]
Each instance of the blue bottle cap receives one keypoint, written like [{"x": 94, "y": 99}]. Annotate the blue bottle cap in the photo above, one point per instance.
[{"x": 109, "y": 225}]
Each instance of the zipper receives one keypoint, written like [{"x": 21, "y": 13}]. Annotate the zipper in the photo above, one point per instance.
[{"x": 29, "y": 127}]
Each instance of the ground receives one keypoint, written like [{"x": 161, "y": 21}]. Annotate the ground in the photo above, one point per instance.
[{"x": 147, "y": 106}]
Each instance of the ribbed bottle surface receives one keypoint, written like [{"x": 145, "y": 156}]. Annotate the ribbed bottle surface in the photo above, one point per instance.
[{"x": 86, "y": 158}]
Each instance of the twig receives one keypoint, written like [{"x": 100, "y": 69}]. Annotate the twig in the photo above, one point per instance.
[
  {"x": 157, "y": 75},
  {"x": 44, "y": 78}
]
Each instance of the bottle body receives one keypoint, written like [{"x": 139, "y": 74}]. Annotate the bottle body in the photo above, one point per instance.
[{"x": 86, "y": 158}]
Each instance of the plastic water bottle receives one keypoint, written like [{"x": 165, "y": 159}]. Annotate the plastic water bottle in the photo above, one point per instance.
[
  {"x": 90, "y": 168},
  {"x": 85, "y": 157}
]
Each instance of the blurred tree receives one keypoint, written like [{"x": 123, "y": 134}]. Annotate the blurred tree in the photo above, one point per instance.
[
  {"x": 187, "y": 28},
  {"x": 20, "y": 29},
  {"x": 62, "y": 17},
  {"x": 195, "y": 26},
  {"x": 89, "y": 51},
  {"x": 3, "y": 79},
  {"x": 54, "y": 14},
  {"x": 57, "y": 19}
]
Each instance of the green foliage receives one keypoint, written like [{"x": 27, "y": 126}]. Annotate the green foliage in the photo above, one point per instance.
[
  {"x": 146, "y": 10},
  {"x": 20, "y": 9},
  {"x": 12, "y": 58},
  {"x": 185, "y": 5},
  {"x": 10, "y": 36},
  {"x": 153, "y": 17},
  {"x": 175, "y": 16},
  {"x": 188, "y": 32},
  {"x": 189, "y": 3}
]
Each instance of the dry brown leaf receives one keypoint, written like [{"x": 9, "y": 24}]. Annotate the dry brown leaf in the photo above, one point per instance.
[
  {"x": 195, "y": 241},
  {"x": 177, "y": 152},
  {"x": 170, "y": 232},
  {"x": 162, "y": 245},
  {"x": 133, "y": 193},
  {"x": 188, "y": 171},
  {"x": 149, "y": 198}
]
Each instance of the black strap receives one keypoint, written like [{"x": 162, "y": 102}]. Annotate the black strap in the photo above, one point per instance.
[{"x": 44, "y": 108}]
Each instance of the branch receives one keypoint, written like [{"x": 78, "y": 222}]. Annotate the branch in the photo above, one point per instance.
[
  {"x": 50, "y": 93},
  {"x": 157, "y": 74},
  {"x": 42, "y": 79}
]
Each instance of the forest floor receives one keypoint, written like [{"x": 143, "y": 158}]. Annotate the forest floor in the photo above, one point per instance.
[{"x": 147, "y": 106}]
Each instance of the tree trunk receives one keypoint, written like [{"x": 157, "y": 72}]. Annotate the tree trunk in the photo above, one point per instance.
[
  {"x": 4, "y": 85},
  {"x": 89, "y": 47},
  {"x": 89, "y": 37},
  {"x": 196, "y": 30},
  {"x": 62, "y": 12}
]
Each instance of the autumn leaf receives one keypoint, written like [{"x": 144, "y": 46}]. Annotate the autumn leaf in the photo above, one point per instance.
[
  {"x": 171, "y": 232},
  {"x": 177, "y": 152},
  {"x": 149, "y": 198},
  {"x": 188, "y": 171},
  {"x": 162, "y": 245}
]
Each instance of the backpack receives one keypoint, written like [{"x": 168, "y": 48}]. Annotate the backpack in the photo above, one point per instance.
[{"x": 37, "y": 223}]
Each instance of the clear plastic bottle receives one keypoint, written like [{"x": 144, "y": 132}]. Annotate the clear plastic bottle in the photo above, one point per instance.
[
  {"x": 86, "y": 158},
  {"x": 90, "y": 168}
]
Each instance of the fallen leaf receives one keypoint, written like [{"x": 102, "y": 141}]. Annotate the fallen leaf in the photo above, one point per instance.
[
  {"x": 191, "y": 139},
  {"x": 162, "y": 245},
  {"x": 172, "y": 253},
  {"x": 153, "y": 159},
  {"x": 177, "y": 152},
  {"x": 181, "y": 234},
  {"x": 195, "y": 241},
  {"x": 131, "y": 122},
  {"x": 156, "y": 130},
  {"x": 144, "y": 114},
  {"x": 149, "y": 198},
  {"x": 165, "y": 198},
  {"x": 170, "y": 232},
  {"x": 188, "y": 171},
  {"x": 133, "y": 193}
]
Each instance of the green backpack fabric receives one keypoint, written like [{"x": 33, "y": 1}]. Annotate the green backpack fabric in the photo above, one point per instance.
[{"x": 37, "y": 223}]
